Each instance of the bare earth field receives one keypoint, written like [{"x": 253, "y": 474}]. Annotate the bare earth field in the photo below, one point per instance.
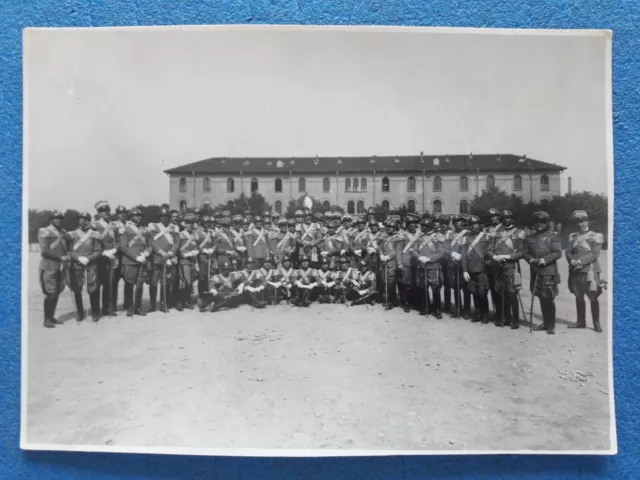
[{"x": 324, "y": 377}]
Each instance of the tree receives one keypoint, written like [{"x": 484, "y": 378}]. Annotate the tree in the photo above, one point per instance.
[
  {"x": 37, "y": 219},
  {"x": 254, "y": 202},
  {"x": 149, "y": 213}
]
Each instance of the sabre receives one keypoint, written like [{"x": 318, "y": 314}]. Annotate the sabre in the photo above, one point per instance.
[
  {"x": 458, "y": 296},
  {"x": 504, "y": 277},
  {"x": 521, "y": 305},
  {"x": 533, "y": 296},
  {"x": 426, "y": 289},
  {"x": 164, "y": 285},
  {"x": 386, "y": 288}
]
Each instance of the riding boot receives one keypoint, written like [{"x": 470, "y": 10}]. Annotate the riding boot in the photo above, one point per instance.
[
  {"x": 581, "y": 311},
  {"x": 128, "y": 298},
  {"x": 403, "y": 298},
  {"x": 104, "y": 290},
  {"x": 188, "y": 292},
  {"x": 447, "y": 300},
  {"x": 515, "y": 309},
  {"x": 114, "y": 297},
  {"x": 437, "y": 303},
  {"x": 422, "y": 302},
  {"x": 595, "y": 315},
  {"x": 94, "y": 301},
  {"x": 79, "y": 306},
  {"x": 138, "y": 305},
  {"x": 153, "y": 298},
  {"x": 484, "y": 308},
  {"x": 164, "y": 308},
  {"x": 466, "y": 310},
  {"x": 48, "y": 322},
  {"x": 551, "y": 329}
]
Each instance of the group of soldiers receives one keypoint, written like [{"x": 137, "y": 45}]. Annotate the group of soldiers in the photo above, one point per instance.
[{"x": 330, "y": 257}]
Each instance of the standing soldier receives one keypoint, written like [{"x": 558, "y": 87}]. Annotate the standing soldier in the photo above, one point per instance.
[
  {"x": 454, "y": 249},
  {"x": 542, "y": 251},
  {"x": 84, "y": 246},
  {"x": 135, "y": 245},
  {"x": 281, "y": 243},
  {"x": 493, "y": 269},
  {"x": 357, "y": 241},
  {"x": 119, "y": 224},
  {"x": 187, "y": 262},
  {"x": 506, "y": 249},
  {"x": 298, "y": 215},
  {"x": 473, "y": 267},
  {"x": 388, "y": 254},
  {"x": 206, "y": 259},
  {"x": 53, "y": 265},
  {"x": 225, "y": 248},
  {"x": 333, "y": 245},
  {"x": 164, "y": 240},
  {"x": 428, "y": 250},
  {"x": 308, "y": 239},
  {"x": 584, "y": 269},
  {"x": 408, "y": 241},
  {"x": 107, "y": 262},
  {"x": 258, "y": 242},
  {"x": 176, "y": 221},
  {"x": 238, "y": 238},
  {"x": 373, "y": 244}
]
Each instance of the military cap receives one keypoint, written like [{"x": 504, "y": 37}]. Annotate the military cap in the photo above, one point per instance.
[
  {"x": 282, "y": 223},
  {"x": 257, "y": 219},
  {"x": 493, "y": 212},
  {"x": 391, "y": 223},
  {"x": 85, "y": 215},
  {"x": 541, "y": 216},
  {"x": 506, "y": 213},
  {"x": 226, "y": 213},
  {"x": 579, "y": 216},
  {"x": 164, "y": 212},
  {"x": 298, "y": 213},
  {"x": 102, "y": 205},
  {"x": 250, "y": 260},
  {"x": 56, "y": 214},
  {"x": 224, "y": 221},
  {"x": 360, "y": 220},
  {"x": 344, "y": 259},
  {"x": 371, "y": 211},
  {"x": 426, "y": 222},
  {"x": 121, "y": 209},
  {"x": 236, "y": 218},
  {"x": 303, "y": 258},
  {"x": 412, "y": 217},
  {"x": 318, "y": 216},
  {"x": 134, "y": 211},
  {"x": 291, "y": 221},
  {"x": 473, "y": 219}
]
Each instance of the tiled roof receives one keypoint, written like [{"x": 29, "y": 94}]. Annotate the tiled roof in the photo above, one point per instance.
[{"x": 401, "y": 163}]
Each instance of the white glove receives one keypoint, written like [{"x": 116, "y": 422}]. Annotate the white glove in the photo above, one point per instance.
[
  {"x": 83, "y": 260},
  {"x": 456, "y": 256},
  {"x": 371, "y": 250},
  {"x": 249, "y": 289},
  {"x": 423, "y": 259},
  {"x": 168, "y": 262},
  {"x": 363, "y": 292},
  {"x": 141, "y": 259},
  {"x": 324, "y": 254},
  {"x": 258, "y": 289},
  {"x": 213, "y": 291},
  {"x": 242, "y": 249},
  {"x": 343, "y": 251},
  {"x": 541, "y": 262},
  {"x": 466, "y": 276},
  {"x": 359, "y": 253},
  {"x": 240, "y": 289}
]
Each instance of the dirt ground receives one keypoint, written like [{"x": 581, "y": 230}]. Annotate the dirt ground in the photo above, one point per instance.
[{"x": 324, "y": 377}]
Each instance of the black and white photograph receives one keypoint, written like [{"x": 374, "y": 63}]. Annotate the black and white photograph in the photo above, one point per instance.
[{"x": 317, "y": 241}]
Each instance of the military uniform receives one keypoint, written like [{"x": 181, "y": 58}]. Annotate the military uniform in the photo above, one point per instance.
[
  {"x": 427, "y": 252},
  {"x": 85, "y": 247},
  {"x": 454, "y": 246},
  {"x": 54, "y": 261},
  {"x": 325, "y": 282},
  {"x": 285, "y": 276},
  {"x": 388, "y": 254},
  {"x": 165, "y": 241},
  {"x": 542, "y": 250},
  {"x": 253, "y": 284},
  {"x": 187, "y": 262},
  {"x": 238, "y": 238},
  {"x": 118, "y": 225},
  {"x": 107, "y": 263},
  {"x": 364, "y": 285},
  {"x": 493, "y": 269},
  {"x": 343, "y": 280},
  {"x": 407, "y": 243},
  {"x": 308, "y": 240},
  {"x": 223, "y": 288},
  {"x": 281, "y": 244},
  {"x": 584, "y": 270},
  {"x": 333, "y": 246},
  {"x": 305, "y": 283},
  {"x": 135, "y": 246},
  {"x": 258, "y": 243},
  {"x": 206, "y": 260},
  {"x": 475, "y": 251}
]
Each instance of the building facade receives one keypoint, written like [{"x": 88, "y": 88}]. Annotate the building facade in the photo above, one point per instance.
[{"x": 445, "y": 184}]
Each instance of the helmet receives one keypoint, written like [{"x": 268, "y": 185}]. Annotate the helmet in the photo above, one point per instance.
[
  {"x": 362, "y": 263},
  {"x": 346, "y": 219},
  {"x": 371, "y": 211},
  {"x": 303, "y": 258},
  {"x": 224, "y": 221},
  {"x": 426, "y": 222},
  {"x": 134, "y": 211},
  {"x": 372, "y": 223},
  {"x": 236, "y": 219},
  {"x": 282, "y": 223},
  {"x": 190, "y": 218},
  {"x": 275, "y": 215},
  {"x": 298, "y": 213},
  {"x": 102, "y": 206},
  {"x": 506, "y": 214},
  {"x": 344, "y": 260},
  {"x": 56, "y": 214},
  {"x": 225, "y": 267},
  {"x": 324, "y": 261},
  {"x": 164, "y": 212},
  {"x": 541, "y": 216},
  {"x": 436, "y": 217},
  {"x": 492, "y": 212},
  {"x": 412, "y": 217},
  {"x": 579, "y": 216},
  {"x": 291, "y": 222},
  {"x": 474, "y": 219},
  {"x": 446, "y": 218},
  {"x": 286, "y": 260},
  {"x": 85, "y": 215},
  {"x": 197, "y": 211},
  {"x": 361, "y": 220},
  {"x": 318, "y": 216},
  {"x": 121, "y": 209},
  {"x": 456, "y": 218},
  {"x": 257, "y": 219}
]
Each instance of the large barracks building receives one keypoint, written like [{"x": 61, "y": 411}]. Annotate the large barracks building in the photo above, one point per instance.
[{"x": 435, "y": 183}]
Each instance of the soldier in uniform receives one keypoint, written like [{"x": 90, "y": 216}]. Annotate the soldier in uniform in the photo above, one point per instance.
[
  {"x": 84, "y": 246},
  {"x": 298, "y": 215},
  {"x": 506, "y": 249},
  {"x": 165, "y": 241},
  {"x": 308, "y": 240},
  {"x": 584, "y": 269},
  {"x": 342, "y": 279},
  {"x": 252, "y": 285},
  {"x": 258, "y": 242},
  {"x": 427, "y": 252},
  {"x": 53, "y": 266},
  {"x": 388, "y": 254},
  {"x": 454, "y": 246},
  {"x": 206, "y": 260},
  {"x": 473, "y": 267},
  {"x": 493, "y": 269},
  {"x": 408, "y": 241},
  {"x": 119, "y": 224},
  {"x": 542, "y": 251},
  {"x": 305, "y": 282},
  {"x": 325, "y": 281},
  {"x": 238, "y": 238},
  {"x": 364, "y": 288},
  {"x": 187, "y": 261},
  {"x": 223, "y": 289},
  {"x": 285, "y": 277},
  {"x": 107, "y": 262},
  {"x": 357, "y": 241},
  {"x": 135, "y": 245},
  {"x": 269, "y": 274},
  {"x": 281, "y": 243},
  {"x": 332, "y": 245}
]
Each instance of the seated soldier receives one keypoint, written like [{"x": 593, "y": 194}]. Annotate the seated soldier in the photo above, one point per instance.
[
  {"x": 223, "y": 291},
  {"x": 283, "y": 280},
  {"x": 364, "y": 285},
  {"x": 342, "y": 279},
  {"x": 305, "y": 282},
  {"x": 269, "y": 275},
  {"x": 325, "y": 281},
  {"x": 252, "y": 285}
]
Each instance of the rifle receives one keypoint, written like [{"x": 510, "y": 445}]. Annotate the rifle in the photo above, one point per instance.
[{"x": 363, "y": 298}]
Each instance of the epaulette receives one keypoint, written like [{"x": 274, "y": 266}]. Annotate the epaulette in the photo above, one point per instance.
[
  {"x": 598, "y": 238},
  {"x": 439, "y": 237},
  {"x": 521, "y": 235},
  {"x": 43, "y": 232}
]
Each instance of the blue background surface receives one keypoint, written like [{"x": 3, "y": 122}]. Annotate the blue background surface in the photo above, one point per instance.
[{"x": 621, "y": 16}]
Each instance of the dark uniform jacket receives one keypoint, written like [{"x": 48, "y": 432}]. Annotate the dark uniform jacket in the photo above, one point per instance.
[
  {"x": 188, "y": 244},
  {"x": 163, "y": 240},
  {"x": 281, "y": 244},
  {"x": 454, "y": 243},
  {"x": 429, "y": 245},
  {"x": 258, "y": 243},
  {"x": 389, "y": 245},
  {"x": 585, "y": 247},
  {"x": 84, "y": 243},
  {"x": 507, "y": 241},
  {"x": 134, "y": 241},
  {"x": 406, "y": 244},
  {"x": 474, "y": 252},
  {"x": 107, "y": 234},
  {"x": 53, "y": 247},
  {"x": 358, "y": 240},
  {"x": 545, "y": 245}
]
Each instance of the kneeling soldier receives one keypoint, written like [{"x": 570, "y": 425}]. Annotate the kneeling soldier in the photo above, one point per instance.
[
  {"x": 224, "y": 288},
  {"x": 428, "y": 251},
  {"x": 305, "y": 282},
  {"x": 473, "y": 267},
  {"x": 252, "y": 285},
  {"x": 269, "y": 275},
  {"x": 284, "y": 278},
  {"x": 54, "y": 262},
  {"x": 584, "y": 270},
  {"x": 135, "y": 247},
  {"x": 363, "y": 285},
  {"x": 325, "y": 281}
]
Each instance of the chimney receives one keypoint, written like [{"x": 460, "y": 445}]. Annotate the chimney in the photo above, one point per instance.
[{"x": 570, "y": 191}]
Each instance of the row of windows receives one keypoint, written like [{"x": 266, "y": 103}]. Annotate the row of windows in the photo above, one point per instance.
[{"x": 360, "y": 185}]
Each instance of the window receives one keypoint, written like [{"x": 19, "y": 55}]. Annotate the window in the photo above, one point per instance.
[
  {"x": 347, "y": 184},
  {"x": 544, "y": 183},
  {"x": 437, "y": 206},
  {"x": 517, "y": 182},
  {"x": 464, "y": 206},
  {"x": 278, "y": 185},
  {"x": 385, "y": 205},
  {"x": 464, "y": 184},
  {"x": 437, "y": 184},
  {"x": 411, "y": 184},
  {"x": 355, "y": 184},
  {"x": 206, "y": 205},
  {"x": 206, "y": 184},
  {"x": 411, "y": 205},
  {"x": 254, "y": 184},
  {"x": 302, "y": 185},
  {"x": 491, "y": 182},
  {"x": 351, "y": 207},
  {"x": 361, "y": 207},
  {"x": 326, "y": 185},
  {"x": 278, "y": 206},
  {"x": 385, "y": 184},
  {"x": 326, "y": 204},
  {"x": 363, "y": 184},
  {"x": 183, "y": 184},
  {"x": 230, "y": 185},
  {"x": 183, "y": 205}
]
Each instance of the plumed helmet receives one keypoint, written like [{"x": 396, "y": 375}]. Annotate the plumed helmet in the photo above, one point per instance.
[
  {"x": 541, "y": 216},
  {"x": 120, "y": 209},
  {"x": 579, "y": 216}
]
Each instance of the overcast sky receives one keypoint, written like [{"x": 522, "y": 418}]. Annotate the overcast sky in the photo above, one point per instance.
[{"x": 108, "y": 110}]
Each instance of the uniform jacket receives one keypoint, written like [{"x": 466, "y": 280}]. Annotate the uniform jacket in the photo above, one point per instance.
[
  {"x": 358, "y": 240},
  {"x": 545, "y": 245},
  {"x": 507, "y": 241},
  {"x": 258, "y": 243},
  {"x": 107, "y": 233},
  {"x": 373, "y": 240},
  {"x": 225, "y": 284},
  {"x": 389, "y": 245},
  {"x": 252, "y": 278},
  {"x": 53, "y": 247},
  {"x": 225, "y": 242},
  {"x": 163, "y": 239},
  {"x": 406, "y": 244},
  {"x": 282, "y": 244},
  {"x": 305, "y": 277},
  {"x": 308, "y": 240},
  {"x": 188, "y": 244},
  {"x": 84, "y": 243},
  {"x": 454, "y": 242},
  {"x": 585, "y": 247},
  {"x": 333, "y": 244},
  {"x": 237, "y": 237},
  {"x": 344, "y": 277},
  {"x": 475, "y": 250},
  {"x": 134, "y": 241},
  {"x": 364, "y": 281},
  {"x": 324, "y": 276},
  {"x": 268, "y": 275},
  {"x": 285, "y": 276},
  {"x": 432, "y": 246},
  {"x": 205, "y": 240}
]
